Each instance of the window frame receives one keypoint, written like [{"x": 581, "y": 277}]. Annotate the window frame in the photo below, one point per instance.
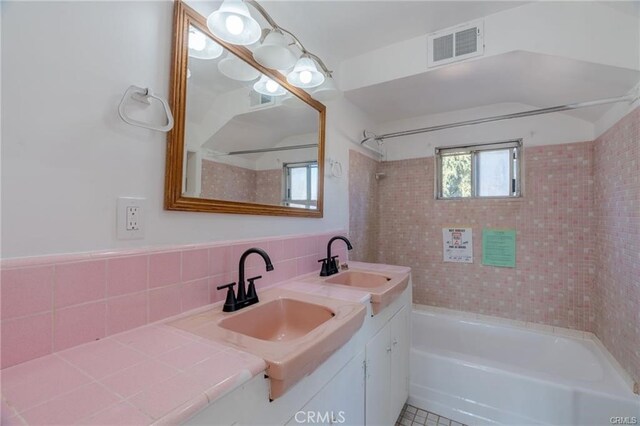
[
  {"x": 515, "y": 147},
  {"x": 286, "y": 188}
]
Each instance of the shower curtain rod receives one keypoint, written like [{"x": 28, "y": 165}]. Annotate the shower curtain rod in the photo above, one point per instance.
[
  {"x": 278, "y": 148},
  {"x": 373, "y": 137}
]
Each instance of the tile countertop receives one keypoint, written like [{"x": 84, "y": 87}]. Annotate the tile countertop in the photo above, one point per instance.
[{"x": 154, "y": 374}]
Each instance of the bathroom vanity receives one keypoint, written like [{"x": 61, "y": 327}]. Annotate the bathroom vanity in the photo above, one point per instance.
[{"x": 364, "y": 381}]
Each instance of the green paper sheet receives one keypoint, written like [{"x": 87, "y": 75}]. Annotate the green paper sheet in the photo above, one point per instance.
[{"x": 499, "y": 247}]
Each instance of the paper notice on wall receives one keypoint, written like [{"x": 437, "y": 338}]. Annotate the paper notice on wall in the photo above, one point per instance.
[
  {"x": 499, "y": 247},
  {"x": 457, "y": 245}
]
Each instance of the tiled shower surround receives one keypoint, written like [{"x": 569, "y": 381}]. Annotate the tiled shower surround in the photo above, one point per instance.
[
  {"x": 232, "y": 183},
  {"x": 51, "y": 303},
  {"x": 578, "y": 244},
  {"x": 553, "y": 280},
  {"x": 617, "y": 224}
]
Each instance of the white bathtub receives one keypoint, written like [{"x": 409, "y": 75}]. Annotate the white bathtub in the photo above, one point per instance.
[{"x": 483, "y": 373}]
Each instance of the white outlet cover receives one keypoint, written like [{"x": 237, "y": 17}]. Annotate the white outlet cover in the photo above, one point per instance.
[{"x": 121, "y": 217}]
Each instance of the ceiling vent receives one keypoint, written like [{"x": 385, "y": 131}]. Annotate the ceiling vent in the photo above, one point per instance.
[
  {"x": 455, "y": 44},
  {"x": 258, "y": 100}
]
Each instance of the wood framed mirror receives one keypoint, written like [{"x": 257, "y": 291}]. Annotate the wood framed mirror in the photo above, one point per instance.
[{"x": 232, "y": 148}]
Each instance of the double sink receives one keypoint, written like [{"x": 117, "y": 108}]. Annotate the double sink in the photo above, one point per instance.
[{"x": 295, "y": 332}]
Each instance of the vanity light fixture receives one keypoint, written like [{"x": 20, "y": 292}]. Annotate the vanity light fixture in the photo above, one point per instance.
[
  {"x": 327, "y": 91},
  {"x": 233, "y": 23},
  {"x": 305, "y": 74},
  {"x": 237, "y": 69},
  {"x": 201, "y": 46},
  {"x": 232, "y": 20},
  {"x": 274, "y": 52},
  {"x": 267, "y": 86}
]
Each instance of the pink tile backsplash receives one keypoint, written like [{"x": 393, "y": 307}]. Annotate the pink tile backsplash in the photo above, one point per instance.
[
  {"x": 195, "y": 264},
  {"x": 126, "y": 275},
  {"x": 26, "y": 291},
  {"x": 195, "y": 294},
  {"x": 79, "y": 324},
  {"x": 127, "y": 312},
  {"x": 164, "y": 269},
  {"x": 57, "y": 302},
  {"x": 80, "y": 282},
  {"x": 26, "y": 338},
  {"x": 164, "y": 302}
]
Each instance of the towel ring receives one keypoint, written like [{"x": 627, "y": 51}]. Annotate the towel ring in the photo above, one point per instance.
[{"x": 143, "y": 95}]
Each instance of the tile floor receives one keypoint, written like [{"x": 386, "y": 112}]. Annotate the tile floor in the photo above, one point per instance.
[{"x": 414, "y": 416}]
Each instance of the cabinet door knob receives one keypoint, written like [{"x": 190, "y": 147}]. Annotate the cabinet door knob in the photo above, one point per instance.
[
  {"x": 389, "y": 349},
  {"x": 395, "y": 342}
]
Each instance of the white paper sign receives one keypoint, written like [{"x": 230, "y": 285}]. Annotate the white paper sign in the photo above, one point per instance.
[{"x": 457, "y": 245}]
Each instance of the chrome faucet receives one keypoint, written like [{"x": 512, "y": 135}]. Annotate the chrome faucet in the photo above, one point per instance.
[
  {"x": 245, "y": 296},
  {"x": 330, "y": 264}
]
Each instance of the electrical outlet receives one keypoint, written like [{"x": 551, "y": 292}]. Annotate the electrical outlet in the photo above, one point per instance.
[
  {"x": 133, "y": 213},
  {"x": 130, "y": 218}
]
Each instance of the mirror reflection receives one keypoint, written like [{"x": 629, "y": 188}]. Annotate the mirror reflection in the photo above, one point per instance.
[{"x": 247, "y": 138}]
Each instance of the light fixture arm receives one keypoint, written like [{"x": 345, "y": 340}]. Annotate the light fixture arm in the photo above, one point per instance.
[{"x": 297, "y": 42}]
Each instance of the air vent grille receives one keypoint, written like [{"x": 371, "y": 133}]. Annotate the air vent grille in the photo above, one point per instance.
[
  {"x": 455, "y": 44},
  {"x": 443, "y": 47},
  {"x": 466, "y": 41},
  {"x": 258, "y": 100}
]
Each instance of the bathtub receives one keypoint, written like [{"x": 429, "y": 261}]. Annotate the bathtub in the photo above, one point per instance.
[{"x": 486, "y": 373}]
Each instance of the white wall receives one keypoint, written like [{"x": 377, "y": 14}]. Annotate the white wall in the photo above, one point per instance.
[
  {"x": 66, "y": 156},
  {"x": 536, "y": 130}
]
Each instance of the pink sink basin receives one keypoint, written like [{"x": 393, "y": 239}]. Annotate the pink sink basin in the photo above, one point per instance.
[
  {"x": 293, "y": 332},
  {"x": 383, "y": 287},
  {"x": 359, "y": 279},
  {"x": 278, "y": 320}
]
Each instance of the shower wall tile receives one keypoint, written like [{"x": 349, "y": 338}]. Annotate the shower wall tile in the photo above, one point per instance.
[
  {"x": 225, "y": 182},
  {"x": 51, "y": 303},
  {"x": 553, "y": 282},
  {"x": 363, "y": 206},
  {"x": 617, "y": 224}
]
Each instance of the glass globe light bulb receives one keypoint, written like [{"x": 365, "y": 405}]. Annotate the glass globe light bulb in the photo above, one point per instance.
[
  {"x": 234, "y": 24},
  {"x": 306, "y": 76},
  {"x": 271, "y": 86}
]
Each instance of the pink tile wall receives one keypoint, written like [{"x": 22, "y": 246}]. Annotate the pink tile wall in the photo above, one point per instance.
[
  {"x": 225, "y": 182},
  {"x": 269, "y": 186},
  {"x": 617, "y": 260},
  {"x": 553, "y": 282},
  {"x": 363, "y": 207},
  {"x": 52, "y": 303}
]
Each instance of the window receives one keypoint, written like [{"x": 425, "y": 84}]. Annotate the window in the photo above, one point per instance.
[
  {"x": 301, "y": 184},
  {"x": 476, "y": 171}
]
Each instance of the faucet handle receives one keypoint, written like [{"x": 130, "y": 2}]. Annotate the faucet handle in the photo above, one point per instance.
[
  {"x": 334, "y": 264},
  {"x": 230, "y": 303},
  {"x": 324, "y": 271},
  {"x": 251, "y": 280},
  {"x": 252, "y": 295}
]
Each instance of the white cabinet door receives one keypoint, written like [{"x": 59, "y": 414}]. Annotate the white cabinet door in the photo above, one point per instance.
[
  {"x": 399, "y": 325},
  {"x": 340, "y": 402},
  {"x": 378, "y": 376}
]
